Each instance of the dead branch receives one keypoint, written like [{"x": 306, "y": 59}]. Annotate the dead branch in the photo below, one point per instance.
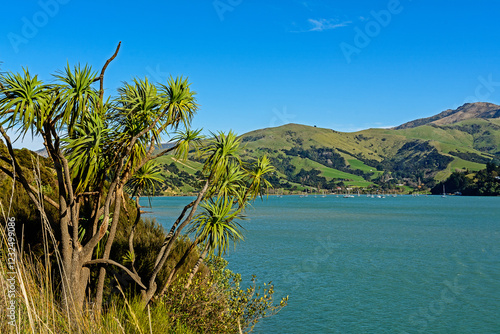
[{"x": 101, "y": 77}]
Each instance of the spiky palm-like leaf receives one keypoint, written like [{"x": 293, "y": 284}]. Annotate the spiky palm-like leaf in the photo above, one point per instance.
[
  {"x": 231, "y": 183},
  {"x": 137, "y": 107},
  {"x": 179, "y": 100},
  {"x": 221, "y": 150},
  {"x": 145, "y": 180},
  {"x": 185, "y": 140},
  {"x": 258, "y": 171},
  {"x": 75, "y": 95},
  {"x": 129, "y": 257},
  {"x": 216, "y": 224},
  {"x": 24, "y": 100},
  {"x": 88, "y": 150}
]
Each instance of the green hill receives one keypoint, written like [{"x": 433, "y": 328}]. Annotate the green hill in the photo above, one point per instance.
[
  {"x": 410, "y": 155},
  {"x": 418, "y": 153}
]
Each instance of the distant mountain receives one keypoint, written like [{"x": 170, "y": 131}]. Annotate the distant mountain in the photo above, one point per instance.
[
  {"x": 416, "y": 153},
  {"x": 42, "y": 152},
  {"x": 482, "y": 110}
]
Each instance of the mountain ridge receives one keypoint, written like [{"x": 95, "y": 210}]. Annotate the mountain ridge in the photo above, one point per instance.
[{"x": 483, "y": 110}]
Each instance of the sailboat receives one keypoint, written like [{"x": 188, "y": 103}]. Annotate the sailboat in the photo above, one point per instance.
[
  {"x": 444, "y": 192},
  {"x": 348, "y": 195}
]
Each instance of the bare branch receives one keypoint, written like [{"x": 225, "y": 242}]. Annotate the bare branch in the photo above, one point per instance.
[
  {"x": 52, "y": 147},
  {"x": 101, "y": 77},
  {"x": 112, "y": 188},
  {"x": 88, "y": 193},
  {"x": 7, "y": 160},
  {"x": 74, "y": 215},
  {"x": 164, "y": 152},
  {"x": 135, "y": 277},
  {"x": 149, "y": 158},
  {"x": 132, "y": 232},
  {"x": 170, "y": 244},
  {"x": 171, "y": 232},
  {"x": 178, "y": 266}
]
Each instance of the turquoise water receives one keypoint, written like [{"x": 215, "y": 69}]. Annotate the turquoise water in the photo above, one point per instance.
[{"x": 370, "y": 265}]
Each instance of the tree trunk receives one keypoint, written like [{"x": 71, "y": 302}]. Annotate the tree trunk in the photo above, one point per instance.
[
  {"x": 132, "y": 233},
  {"x": 197, "y": 265},
  {"x": 78, "y": 284},
  {"x": 168, "y": 245},
  {"x": 107, "y": 249},
  {"x": 178, "y": 266}
]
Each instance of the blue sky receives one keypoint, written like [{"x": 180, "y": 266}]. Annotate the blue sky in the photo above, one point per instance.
[{"x": 345, "y": 65}]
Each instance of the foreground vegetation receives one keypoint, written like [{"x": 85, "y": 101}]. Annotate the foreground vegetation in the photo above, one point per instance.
[
  {"x": 215, "y": 304},
  {"x": 80, "y": 207}
]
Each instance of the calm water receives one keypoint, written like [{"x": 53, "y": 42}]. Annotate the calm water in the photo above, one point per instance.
[{"x": 368, "y": 265}]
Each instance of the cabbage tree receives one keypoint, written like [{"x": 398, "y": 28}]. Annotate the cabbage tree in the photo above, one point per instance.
[
  {"x": 96, "y": 145},
  {"x": 100, "y": 149}
]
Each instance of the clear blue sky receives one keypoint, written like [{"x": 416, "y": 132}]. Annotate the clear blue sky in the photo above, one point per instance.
[{"x": 345, "y": 65}]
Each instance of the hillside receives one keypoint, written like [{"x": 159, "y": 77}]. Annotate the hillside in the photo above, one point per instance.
[
  {"x": 418, "y": 153},
  {"x": 411, "y": 154}
]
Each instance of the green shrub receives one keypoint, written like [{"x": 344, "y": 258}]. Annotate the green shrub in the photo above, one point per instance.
[{"x": 216, "y": 303}]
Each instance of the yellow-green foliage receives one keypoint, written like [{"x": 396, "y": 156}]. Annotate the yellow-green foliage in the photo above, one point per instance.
[{"x": 217, "y": 304}]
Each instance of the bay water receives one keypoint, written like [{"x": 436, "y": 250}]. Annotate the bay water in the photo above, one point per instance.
[{"x": 402, "y": 264}]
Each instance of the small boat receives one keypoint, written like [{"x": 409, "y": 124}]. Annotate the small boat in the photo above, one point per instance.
[{"x": 348, "y": 195}]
